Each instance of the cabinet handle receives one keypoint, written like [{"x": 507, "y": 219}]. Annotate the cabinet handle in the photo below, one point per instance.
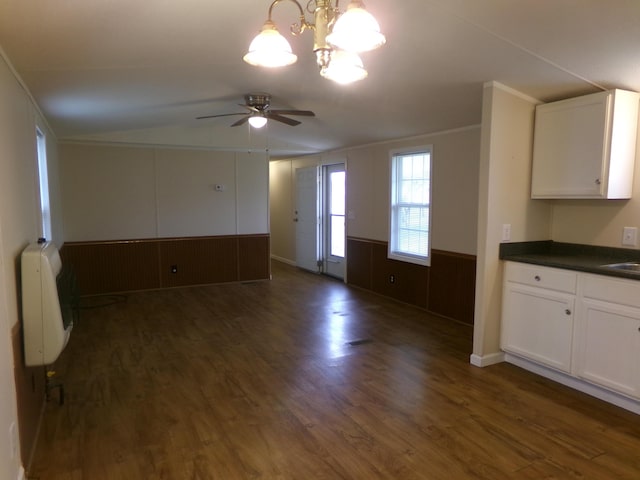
[
  {"x": 597, "y": 181},
  {"x": 537, "y": 278},
  {"x": 568, "y": 312}
]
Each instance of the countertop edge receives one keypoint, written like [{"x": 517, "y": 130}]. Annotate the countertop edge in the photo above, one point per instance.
[{"x": 581, "y": 258}]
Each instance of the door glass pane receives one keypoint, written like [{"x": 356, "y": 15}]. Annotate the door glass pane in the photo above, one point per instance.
[
  {"x": 337, "y": 235},
  {"x": 337, "y": 193},
  {"x": 336, "y": 213}
]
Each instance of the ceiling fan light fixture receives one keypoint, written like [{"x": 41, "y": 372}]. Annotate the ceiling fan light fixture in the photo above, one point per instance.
[
  {"x": 258, "y": 105},
  {"x": 356, "y": 30},
  {"x": 345, "y": 67},
  {"x": 270, "y": 49},
  {"x": 257, "y": 121}
]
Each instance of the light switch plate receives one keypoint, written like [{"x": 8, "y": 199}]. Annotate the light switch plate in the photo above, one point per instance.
[{"x": 630, "y": 236}]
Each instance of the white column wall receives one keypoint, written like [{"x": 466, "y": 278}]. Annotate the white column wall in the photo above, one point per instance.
[{"x": 115, "y": 192}]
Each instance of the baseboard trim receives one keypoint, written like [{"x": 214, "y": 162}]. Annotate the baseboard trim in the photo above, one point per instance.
[
  {"x": 576, "y": 383},
  {"x": 283, "y": 260},
  {"x": 486, "y": 360}
]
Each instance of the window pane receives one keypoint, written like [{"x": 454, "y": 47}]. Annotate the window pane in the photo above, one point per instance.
[
  {"x": 418, "y": 166},
  {"x": 43, "y": 178},
  {"x": 413, "y": 225}
]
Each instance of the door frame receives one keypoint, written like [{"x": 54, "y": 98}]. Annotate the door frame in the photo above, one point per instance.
[
  {"x": 331, "y": 265},
  {"x": 307, "y": 218}
]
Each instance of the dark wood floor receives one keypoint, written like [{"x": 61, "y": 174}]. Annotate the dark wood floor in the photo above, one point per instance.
[{"x": 305, "y": 378}]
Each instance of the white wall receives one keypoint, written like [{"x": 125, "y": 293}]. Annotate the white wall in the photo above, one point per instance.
[
  {"x": 504, "y": 198},
  {"x": 281, "y": 210},
  {"x": 455, "y": 191},
  {"x": 454, "y": 188},
  {"x": 116, "y": 193},
  {"x": 368, "y": 187},
  {"x": 19, "y": 225},
  {"x": 10, "y": 465}
]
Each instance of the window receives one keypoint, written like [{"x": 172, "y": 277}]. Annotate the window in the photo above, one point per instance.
[
  {"x": 410, "y": 205},
  {"x": 43, "y": 176}
]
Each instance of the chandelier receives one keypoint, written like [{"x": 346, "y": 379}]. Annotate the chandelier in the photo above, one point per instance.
[{"x": 337, "y": 39}]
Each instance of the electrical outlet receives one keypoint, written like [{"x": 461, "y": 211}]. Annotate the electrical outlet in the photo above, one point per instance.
[
  {"x": 392, "y": 279},
  {"x": 506, "y": 232},
  {"x": 630, "y": 236}
]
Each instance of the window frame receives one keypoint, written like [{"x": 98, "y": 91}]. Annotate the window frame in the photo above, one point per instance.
[{"x": 393, "y": 249}]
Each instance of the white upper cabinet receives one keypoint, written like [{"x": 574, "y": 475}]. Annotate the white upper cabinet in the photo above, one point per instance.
[{"x": 585, "y": 147}]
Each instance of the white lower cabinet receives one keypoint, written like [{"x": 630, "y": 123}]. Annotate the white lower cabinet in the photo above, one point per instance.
[
  {"x": 538, "y": 324},
  {"x": 607, "y": 337},
  {"x": 583, "y": 325}
]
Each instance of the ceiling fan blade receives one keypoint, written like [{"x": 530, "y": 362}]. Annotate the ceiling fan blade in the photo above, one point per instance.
[
  {"x": 222, "y": 115},
  {"x": 278, "y": 118},
  {"x": 242, "y": 121},
  {"x": 250, "y": 108},
  {"x": 304, "y": 113}
]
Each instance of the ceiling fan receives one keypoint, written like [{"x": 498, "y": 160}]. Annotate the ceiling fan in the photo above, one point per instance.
[{"x": 259, "y": 112}]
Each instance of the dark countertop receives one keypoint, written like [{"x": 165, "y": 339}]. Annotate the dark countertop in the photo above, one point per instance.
[{"x": 571, "y": 256}]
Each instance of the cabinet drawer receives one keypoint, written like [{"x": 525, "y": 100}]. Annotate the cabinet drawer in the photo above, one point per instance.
[
  {"x": 543, "y": 277},
  {"x": 614, "y": 290}
]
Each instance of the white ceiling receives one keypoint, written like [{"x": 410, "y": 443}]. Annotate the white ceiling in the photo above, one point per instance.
[{"x": 141, "y": 71}]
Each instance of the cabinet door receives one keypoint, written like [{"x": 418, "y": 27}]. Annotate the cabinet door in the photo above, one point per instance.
[
  {"x": 538, "y": 324},
  {"x": 569, "y": 148},
  {"x": 608, "y": 346}
]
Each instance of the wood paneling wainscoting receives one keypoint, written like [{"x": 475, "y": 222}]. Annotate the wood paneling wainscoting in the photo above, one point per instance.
[
  {"x": 30, "y": 395},
  {"x": 130, "y": 265},
  {"x": 446, "y": 288}
]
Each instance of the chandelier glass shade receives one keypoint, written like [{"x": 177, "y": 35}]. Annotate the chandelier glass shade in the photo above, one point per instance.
[
  {"x": 270, "y": 48},
  {"x": 337, "y": 37},
  {"x": 356, "y": 30},
  {"x": 345, "y": 67}
]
